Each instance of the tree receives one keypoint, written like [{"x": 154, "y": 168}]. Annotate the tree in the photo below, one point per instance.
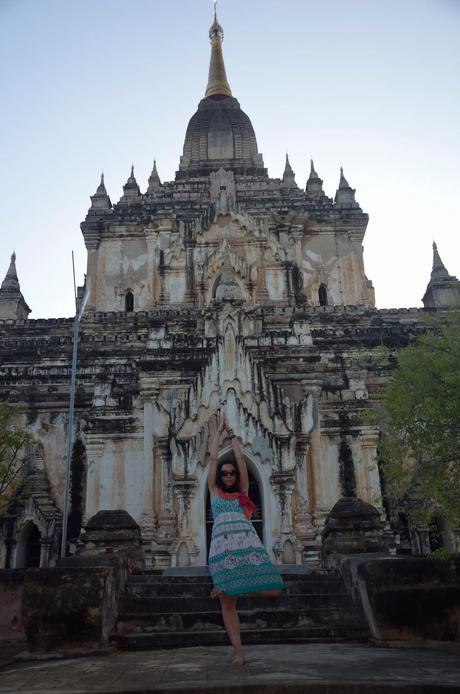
[
  {"x": 13, "y": 440},
  {"x": 420, "y": 420}
]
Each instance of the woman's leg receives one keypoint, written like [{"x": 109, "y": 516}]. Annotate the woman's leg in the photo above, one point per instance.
[{"x": 232, "y": 626}]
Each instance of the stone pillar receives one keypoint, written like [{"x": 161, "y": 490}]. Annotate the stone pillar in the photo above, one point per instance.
[
  {"x": 286, "y": 547},
  {"x": 261, "y": 286},
  {"x": 166, "y": 534},
  {"x": 319, "y": 467},
  {"x": 189, "y": 264},
  {"x": 148, "y": 517},
  {"x": 184, "y": 490},
  {"x": 420, "y": 541},
  {"x": 94, "y": 449},
  {"x": 371, "y": 492},
  {"x": 290, "y": 296},
  {"x": 302, "y": 515},
  {"x": 164, "y": 230},
  {"x": 152, "y": 239},
  {"x": 186, "y": 549},
  {"x": 92, "y": 239},
  {"x": 45, "y": 552}
]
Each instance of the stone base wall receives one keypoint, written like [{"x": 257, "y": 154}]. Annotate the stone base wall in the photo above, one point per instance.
[
  {"x": 413, "y": 599},
  {"x": 11, "y": 588}
]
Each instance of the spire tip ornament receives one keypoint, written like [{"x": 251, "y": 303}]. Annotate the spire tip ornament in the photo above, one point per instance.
[{"x": 217, "y": 80}]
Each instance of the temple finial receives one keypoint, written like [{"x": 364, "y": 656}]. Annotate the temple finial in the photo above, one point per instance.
[
  {"x": 345, "y": 195},
  {"x": 154, "y": 180},
  {"x": 130, "y": 189},
  {"x": 217, "y": 80},
  {"x": 100, "y": 201},
  {"x": 11, "y": 277},
  {"x": 288, "y": 175},
  {"x": 101, "y": 190},
  {"x": 443, "y": 290},
  {"x": 343, "y": 181},
  {"x": 437, "y": 262},
  {"x": 12, "y": 303},
  {"x": 314, "y": 187}
]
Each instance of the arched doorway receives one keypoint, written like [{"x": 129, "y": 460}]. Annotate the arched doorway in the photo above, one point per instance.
[
  {"x": 257, "y": 518},
  {"x": 28, "y": 548}
]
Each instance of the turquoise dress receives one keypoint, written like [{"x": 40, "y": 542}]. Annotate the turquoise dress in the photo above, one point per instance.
[{"x": 238, "y": 561}]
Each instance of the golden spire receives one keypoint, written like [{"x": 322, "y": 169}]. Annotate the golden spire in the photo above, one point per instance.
[{"x": 217, "y": 80}]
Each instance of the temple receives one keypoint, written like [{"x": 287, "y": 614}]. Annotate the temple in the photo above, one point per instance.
[{"x": 224, "y": 288}]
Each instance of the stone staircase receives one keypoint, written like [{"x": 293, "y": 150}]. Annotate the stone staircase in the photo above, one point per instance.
[{"x": 173, "y": 611}]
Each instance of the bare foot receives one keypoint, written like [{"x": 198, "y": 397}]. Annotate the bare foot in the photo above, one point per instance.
[
  {"x": 239, "y": 659},
  {"x": 216, "y": 593}
]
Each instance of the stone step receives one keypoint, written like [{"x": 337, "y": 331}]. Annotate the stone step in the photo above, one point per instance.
[
  {"x": 202, "y": 590},
  {"x": 155, "y": 578},
  {"x": 262, "y": 619},
  {"x": 138, "y": 604},
  {"x": 218, "y": 637}
]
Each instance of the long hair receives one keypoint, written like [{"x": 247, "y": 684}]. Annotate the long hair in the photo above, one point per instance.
[{"x": 236, "y": 486}]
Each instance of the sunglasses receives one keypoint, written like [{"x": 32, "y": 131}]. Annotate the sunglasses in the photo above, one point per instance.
[{"x": 228, "y": 473}]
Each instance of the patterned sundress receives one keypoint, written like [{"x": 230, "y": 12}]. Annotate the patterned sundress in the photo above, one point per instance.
[{"x": 238, "y": 561}]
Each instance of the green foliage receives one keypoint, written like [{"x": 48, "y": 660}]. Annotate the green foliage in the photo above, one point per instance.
[
  {"x": 443, "y": 553},
  {"x": 420, "y": 418},
  {"x": 13, "y": 440}
]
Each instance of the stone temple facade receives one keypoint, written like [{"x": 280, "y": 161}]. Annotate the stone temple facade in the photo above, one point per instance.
[{"x": 222, "y": 288}]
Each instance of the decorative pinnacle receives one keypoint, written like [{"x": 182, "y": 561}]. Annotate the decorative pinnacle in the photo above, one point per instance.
[
  {"x": 343, "y": 181},
  {"x": 217, "y": 80},
  {"x": 439, "y": 269},
  {"x": 436, "y": 257},
  {"x": 314, "y": 183},
  {"x": 11, "y": 277},
  {"x": 132, "y": 179},
  {"x": 288, "y": 172},
  {"x": 154, "y": 179},
  {"x": 101, "y": 190}
]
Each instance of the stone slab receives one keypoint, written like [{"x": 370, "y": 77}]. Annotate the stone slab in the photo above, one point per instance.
[{"x": 325, "y": 669}]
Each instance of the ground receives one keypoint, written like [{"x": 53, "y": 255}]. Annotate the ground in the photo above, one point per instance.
[{"x": 315, "y": 668}]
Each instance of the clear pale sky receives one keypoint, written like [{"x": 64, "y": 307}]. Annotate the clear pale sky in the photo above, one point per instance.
[{"x": 88, "y": 85}]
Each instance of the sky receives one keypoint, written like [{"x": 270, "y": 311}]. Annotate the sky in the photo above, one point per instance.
[{"x": 92, "y": 85}]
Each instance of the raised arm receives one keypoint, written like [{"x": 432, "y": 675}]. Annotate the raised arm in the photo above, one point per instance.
[
  {"x": 240, "y": 461},
  {"x": 214, "y": 455}
]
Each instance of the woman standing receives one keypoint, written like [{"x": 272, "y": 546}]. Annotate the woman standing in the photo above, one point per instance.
[{"x": 238, "y": 562}]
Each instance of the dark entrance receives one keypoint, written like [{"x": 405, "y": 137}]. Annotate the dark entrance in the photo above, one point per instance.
[
  {"x": 257, "y": 518},
  {"x": 29, "y": 547},
  {"x": 33, "y": 547}
]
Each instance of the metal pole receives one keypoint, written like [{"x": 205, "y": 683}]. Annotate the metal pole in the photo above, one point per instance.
[
  {"x": 73, "y": 380},
  {"x": 74, "y": 284}
]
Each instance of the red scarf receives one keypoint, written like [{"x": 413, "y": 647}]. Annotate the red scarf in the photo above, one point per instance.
[{"x": 245, "y": 502}]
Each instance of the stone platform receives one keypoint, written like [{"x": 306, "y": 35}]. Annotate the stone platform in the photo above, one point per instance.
[{"x": 270, "y": 669}]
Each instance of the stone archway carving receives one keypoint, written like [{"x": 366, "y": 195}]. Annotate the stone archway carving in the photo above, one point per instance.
[{"x": 267, "y": 501}]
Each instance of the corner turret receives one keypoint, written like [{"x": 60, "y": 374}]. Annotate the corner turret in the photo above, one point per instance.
[
  {"x": 345, "y": 195},
  {"x": 443, "y": 290},
  {"x": 154, "y": 180},
  {"x": 288, "y": 175},
  {"x": 314, "y": 187},
  {"x": 100, "y": 201},
  {"x": 131, "y": 190},
  {"x": 12, "y": 303}
]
